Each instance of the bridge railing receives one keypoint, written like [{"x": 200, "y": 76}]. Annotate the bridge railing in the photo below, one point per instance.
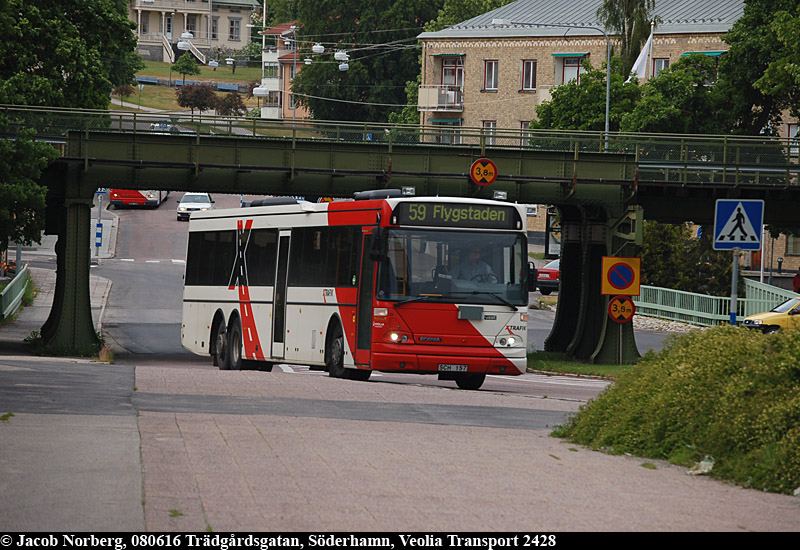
[
  {"x": 11, "y": 296},
  {"x": 705, "y": 310},
  {"x": 667, "y": 158}
]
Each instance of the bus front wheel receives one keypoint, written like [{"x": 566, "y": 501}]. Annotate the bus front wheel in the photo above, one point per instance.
[
  {"x": 470, "y": 381},
  {"x": 335, "y": 353}
]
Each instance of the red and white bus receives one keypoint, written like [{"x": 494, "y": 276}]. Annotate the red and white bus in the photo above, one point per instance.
[
  {"x": 129, "y": 197},
  {"x": 351, "y": 287}
]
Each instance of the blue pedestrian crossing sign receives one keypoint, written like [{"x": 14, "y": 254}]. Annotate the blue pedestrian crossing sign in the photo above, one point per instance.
[{"x": 737, "y": 224}]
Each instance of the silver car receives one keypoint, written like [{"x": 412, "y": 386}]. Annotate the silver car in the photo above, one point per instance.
[{"x": 194, "y": 202}]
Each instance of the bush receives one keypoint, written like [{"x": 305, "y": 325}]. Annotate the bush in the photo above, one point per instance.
[{"x": 726, "y": 392}]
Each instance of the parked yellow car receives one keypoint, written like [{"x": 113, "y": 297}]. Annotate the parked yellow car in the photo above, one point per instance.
[{"x": 778, "y": 317}]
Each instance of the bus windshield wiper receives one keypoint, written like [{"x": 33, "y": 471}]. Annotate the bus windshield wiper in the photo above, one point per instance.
[
  {"x": 417, "y": 299},
  {"x": 503, "y": 300}
]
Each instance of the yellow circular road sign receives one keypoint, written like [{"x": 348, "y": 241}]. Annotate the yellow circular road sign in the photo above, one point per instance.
[
  {"x": 483, "y": 172},
  {"x": 621, "y": 309}
]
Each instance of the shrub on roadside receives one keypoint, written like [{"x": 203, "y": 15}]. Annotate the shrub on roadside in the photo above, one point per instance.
[{"x": 727, "y": 392}]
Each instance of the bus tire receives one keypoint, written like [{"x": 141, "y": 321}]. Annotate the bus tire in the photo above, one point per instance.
[
  {"x": 470, "y": 381},
  {"x": 221, "y": 347},
  {"x": 235, "y": 344},
  {"x": 362, "y": 375},
  {"x": 334, "y": 355}
]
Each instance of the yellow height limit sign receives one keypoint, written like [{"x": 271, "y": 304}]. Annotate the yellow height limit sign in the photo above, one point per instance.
[{"x": 483, "y": 172}]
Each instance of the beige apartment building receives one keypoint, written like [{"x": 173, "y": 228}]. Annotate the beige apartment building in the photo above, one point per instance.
[
  {"x": 492, "y": 71},
  {"x": 162, "y": 24}
]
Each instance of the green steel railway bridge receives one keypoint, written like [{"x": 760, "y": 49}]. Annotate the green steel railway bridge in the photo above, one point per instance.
[{"x": 604, "y": 186}]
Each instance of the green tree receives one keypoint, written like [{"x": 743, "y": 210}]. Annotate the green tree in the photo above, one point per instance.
[
  {"x": 186, "y": 65},
  {"x": 672, "y": 257},
  {"x": 755, "y": 46},
  {"x": 65, "y": 53},
  {"x": 281, "y": 11},
  {"x": 679, "y": 101},
  {"x": 630, "y": 21},
  {"x": 380, "y": 38},
  {"x": 582, "y": 106},
  {"x": 781, "y": 79},
  {"x": 22, "y": 199}
]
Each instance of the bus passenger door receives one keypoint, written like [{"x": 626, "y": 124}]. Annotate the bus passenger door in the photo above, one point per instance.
[
  {"x": 366, "y": 290},
  {"x": 279, "y": 298}
]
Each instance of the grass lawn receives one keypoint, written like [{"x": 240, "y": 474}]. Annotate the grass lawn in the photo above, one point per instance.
[
  {"x": 222, "y": 74},
  {"x": 163, "y": 97}
]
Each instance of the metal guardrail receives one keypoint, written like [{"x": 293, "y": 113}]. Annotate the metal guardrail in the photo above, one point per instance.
[
  {"x": 11, "y": 296},
  {"x": 705, "y": 310},
  {"x": 662, "y": 158}
]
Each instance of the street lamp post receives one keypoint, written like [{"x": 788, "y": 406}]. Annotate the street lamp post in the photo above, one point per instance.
[{"x": 506, "y": 22}]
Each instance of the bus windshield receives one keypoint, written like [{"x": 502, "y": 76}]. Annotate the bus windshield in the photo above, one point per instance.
[{"x": 454, "y": 266}]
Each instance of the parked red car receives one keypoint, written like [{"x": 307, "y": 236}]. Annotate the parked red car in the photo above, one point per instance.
[{"x": 547, "y": 277}]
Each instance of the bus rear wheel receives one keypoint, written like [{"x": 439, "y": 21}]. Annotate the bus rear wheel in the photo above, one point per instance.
[
  {"x": 221, "y": 347},
  {"x": 334, "y": 355},
  {"x": 470, "y": 381}
]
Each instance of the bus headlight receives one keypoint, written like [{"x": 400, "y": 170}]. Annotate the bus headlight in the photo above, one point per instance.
[
  {"x": 397, "y": 337},
  {"x": 507, "y": 341}
]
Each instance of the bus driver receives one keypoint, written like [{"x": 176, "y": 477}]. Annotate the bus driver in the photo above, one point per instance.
[{"x": 473, "y": 268}]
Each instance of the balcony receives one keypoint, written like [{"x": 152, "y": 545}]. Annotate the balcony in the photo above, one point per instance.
[
  {"x": 272, "y": 84},
  {"x": 179, "y": 6},
  {"x": 438, "y": 97}
]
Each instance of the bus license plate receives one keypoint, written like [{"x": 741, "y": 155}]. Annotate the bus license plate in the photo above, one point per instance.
[{"x": 449, "y": 367}]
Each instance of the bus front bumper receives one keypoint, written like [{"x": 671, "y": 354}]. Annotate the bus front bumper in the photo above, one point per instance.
[{"x": 438, "y": 364}]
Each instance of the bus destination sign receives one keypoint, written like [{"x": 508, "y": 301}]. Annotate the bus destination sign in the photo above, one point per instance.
[{"x": 437, "y": 214}]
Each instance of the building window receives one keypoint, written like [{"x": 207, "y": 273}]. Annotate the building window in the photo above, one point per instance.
[
  {"x": 794, "y": 140},
  {"x": 215, "y": 28},
  {"x": 490, "y": 75},
  {"x": 792, "y": 245},
  {"x": 453, "y": 72},
  {"x": 528, "y": 75},
  {"x": 273, "y": 99},
  {"x": 235, "y": 30},
  {"x": 659, "y": 64},
  {"x": 145, "y": 27},
  {"x": 449, "y": 131},
  {"x": 191, "y": 23},
  {"x": 572, "y": 69},
  {"x": 489, "y": 127},
  {"x": 271, "y": 69}
]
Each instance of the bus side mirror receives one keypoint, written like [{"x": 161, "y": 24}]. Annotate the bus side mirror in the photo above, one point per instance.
[
  {"x": 377, "y": 252},
  {"x": 532, "y": 275}
]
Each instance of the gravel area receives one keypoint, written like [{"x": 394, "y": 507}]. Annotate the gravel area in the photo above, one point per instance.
[{"x": 642, "y": 322}]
